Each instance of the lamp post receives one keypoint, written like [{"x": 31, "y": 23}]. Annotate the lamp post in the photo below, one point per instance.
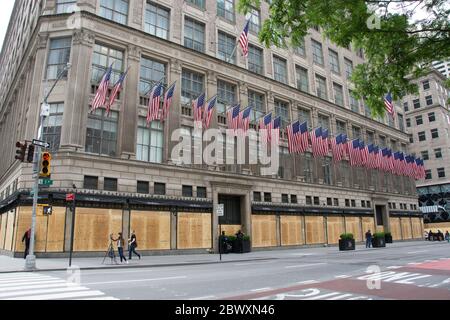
[{"x": 30, "y": 262}]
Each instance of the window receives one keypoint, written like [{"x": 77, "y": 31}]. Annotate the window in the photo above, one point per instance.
[
  {"x": 157, "y": 20},
  {"x": 329, "y": 202},
  {"x": 52, "y": 126},
  {"x": 255, "y": 20},
  {"x": 438, "y": 153},
  {"x": 110, "y": 184},
  {"x": 302, "y": 79},
  {"x": 90, "y": 182},
  {"x": 338, "y": 94},
  {"x": 441, "y": 172},
  {"x": 363, "y": 203},
  {"x": 405, "y": 106},
  {"x": 187, "y": 191},
  {"x": 316, "y": 201},
  {"x": 368, "y": 204},
  {"x": 201, "y": 192},
  {"x": 293, "y": 198},
  {"x": 321, "y": 87},
  {"x": 370, "y": 137},
  {"x": 408, "y": 122},
  {"x": 429, "y": 100},
  {"x": 226, "y": 48},
  {"x": 143, "y": 187},
  {"x": 347, "y": 202},
  {"x": 356, "y": 132},
  {"x": 424, "y": 155},
  {"x": 160, "y": 188},
  {"x": 279, "y": 69},
  {"x": 353, "y": 203},
  {"x": 225, "y": 9},
  {"x": 256, "y": 100},
  {"x": 304, "y": 115},
  {"x": 323, "y": 121},
  {"x": 58, "y": 57},
  {"x": 282, "y": 110},
  {"x": 149, "y": 144},
  {"x": 194, "y": 35},
  {"x": 394, "y": 205},
  {"x": 434, "y": 133},
  {"x": 382, "y": 141},
  {"x": 426, "y": 84},
  {"x": 255, "y": 59},
  {"x": 360, "y": 53},
  {"x": 336, "y": 202},
  {"x": 308, "y": 200},
  {"x": 428, "y": 175},
  {"x": 401, "y": 125},
  {"x": 327, "y": 171},
  {"x": 317, "y": 52},
  {"x": 284, "y": 198},
  {"x": 300, "y": 48},
  {"x": 422, "y": 136},
  {"x": 341, "y": 127},
  {"x": 267, "y": 197},
  {"x": 226, "y": 95},
  {"x": 416, "y": 103},
  {"x": 191, "y": 86},
  {"x": 151, "y": 72},
  {"x": 334, "y": 61},
  {"x": 353, "y": 102},
  {"x": 419, "y": 120},
  {"x": 102, "y": 59},
  {"x": 390, "y": 205},
  {"x": 256, "y": 196},
  {"x": 101, "y": 132},
  {"x": 411, "y": 139},
  {"x": 115, "y": 10},
  {"x": 348, "y": 68},
  {"x": 65, "y": 6},
  {"x": 198, "y": 3},
  {"x": 431, "y": 117}
]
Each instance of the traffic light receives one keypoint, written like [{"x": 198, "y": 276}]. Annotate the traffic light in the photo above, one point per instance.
[
  {"x": 20, "y": 152},
  {"x": 30, "y": 154},
  {"x": 45, "y": 165}
]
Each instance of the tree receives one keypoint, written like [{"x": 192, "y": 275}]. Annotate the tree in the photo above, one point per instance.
[{"x": 397, "y": 46}]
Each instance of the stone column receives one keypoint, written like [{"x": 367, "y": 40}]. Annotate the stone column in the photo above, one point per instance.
[
  {"x": 76, "y": 105},
  {"x": 173, "y": 119},
  {"x": 246, "y": 215}
]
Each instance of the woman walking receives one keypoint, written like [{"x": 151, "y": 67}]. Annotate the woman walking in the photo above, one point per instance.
[
  {"x": 133, "y": 246},
  {"x": 120, "y": 242}
]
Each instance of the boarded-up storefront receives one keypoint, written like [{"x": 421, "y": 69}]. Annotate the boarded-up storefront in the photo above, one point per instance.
[
  {"x": 194, "y": 230},
  {"x": 152, "y": 229},
  {"x": 395, "y": 227},
  {"x": 353, "y": 225},
  {"x": 406, "y": 228},
  {"x": 314, "y": 230},
  {"x": 291, "y": 230},
  {"x": 264, "y": 231},
  {"x": 335, "y": 227}
]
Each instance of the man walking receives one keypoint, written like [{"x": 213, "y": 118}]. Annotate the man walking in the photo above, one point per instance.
[
  {"x": 26, "y": 237},
  {"x": 368, "y": 239},
  {"x": 133, "y": 245}
]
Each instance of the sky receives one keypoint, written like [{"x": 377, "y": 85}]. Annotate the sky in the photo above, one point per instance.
[{"x": 5, "y": 13}]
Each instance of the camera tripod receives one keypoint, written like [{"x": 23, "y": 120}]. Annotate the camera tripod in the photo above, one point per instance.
[{"x": 110, "y": 253}]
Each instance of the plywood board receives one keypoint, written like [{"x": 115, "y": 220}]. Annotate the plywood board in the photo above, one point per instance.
[
  {"x": 335, "y": 227},
  {"x": 9, "y": 231},
  {"x": 353, "y": 225},
  {"x": 24, "y": 222},
  {"x": 434, "y": 227},
  {"x": 368, "y": 223},
  {"x": 264, "y": 233},
  {"x": 4, "y": 218},
  {"x": 93, "y": 227},
  {"x": 395, "y": 226},
  {"x": 417, "y": 228},
  {"x": 55, "y": 230},
  {"x": 291, "y": 230},
  {"x": 314, "y": 230},
  {"x": 194, "y": 230},
  {"x": 406, "y": 228},
  {"x": 230, "y": 229},
  {"x": 152, "y": 229}
]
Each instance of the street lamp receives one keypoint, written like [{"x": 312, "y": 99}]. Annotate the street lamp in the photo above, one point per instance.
[{"x": 30, "y": 262}]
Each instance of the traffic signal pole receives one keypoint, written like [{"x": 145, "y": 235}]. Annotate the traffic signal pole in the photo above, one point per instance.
[{"x": 30, "y": 262}]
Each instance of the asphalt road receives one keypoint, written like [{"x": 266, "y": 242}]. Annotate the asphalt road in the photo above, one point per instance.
[{"x": 416, "y": 270}]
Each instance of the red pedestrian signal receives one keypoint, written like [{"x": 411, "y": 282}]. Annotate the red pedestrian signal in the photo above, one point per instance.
[{"x": 20, "y": 152}]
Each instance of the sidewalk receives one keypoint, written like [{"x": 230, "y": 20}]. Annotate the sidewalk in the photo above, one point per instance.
[{"x": 8, "y": 264}]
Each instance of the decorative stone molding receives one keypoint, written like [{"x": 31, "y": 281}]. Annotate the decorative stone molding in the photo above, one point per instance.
[
  {"x": 83, "y": 37},
  {"x": 137, "y": 12},
  {"x": 42, "y": 40},
  {"x": 134, "y": 52},
  {"x": 175, "y": 66}
]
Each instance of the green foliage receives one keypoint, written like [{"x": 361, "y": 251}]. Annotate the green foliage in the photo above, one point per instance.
[
  {"x": 388, "y": 234},
  {"x": 246, "y": 238},
  {"x": 379, "y": 235},
  {"x": 396, "y": 51},
  {"x": 346, "y": 236},
  {"x": 231, "y": 238}
]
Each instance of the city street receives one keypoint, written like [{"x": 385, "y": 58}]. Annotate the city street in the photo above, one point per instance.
[{"x": 407, "y": 270}]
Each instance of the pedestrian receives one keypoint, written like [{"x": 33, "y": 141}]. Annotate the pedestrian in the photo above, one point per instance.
[
  {"x": 120, "y": 246},
  {"x": 447, "y": 236},
  {"x": 426, "y": 235},
  {"x": 224, "y": 243},
  {"x": 240, "y": 240},
  {"x": 430, "y": 235},
  {"x": 26, "y": 237},
  {"x": 368, "y": 239},
  {"x": 133, "y": 245}
]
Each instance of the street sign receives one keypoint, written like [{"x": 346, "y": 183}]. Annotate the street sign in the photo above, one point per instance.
[
  {"x": 41, "y": 144},
  {"x": 70, "y": 197},
  {"x": 46, "y": 182},
  {"x": 47, "y": 210},
  {"x": 45, "y": 110},
  {"x": 220, "y": 210}
]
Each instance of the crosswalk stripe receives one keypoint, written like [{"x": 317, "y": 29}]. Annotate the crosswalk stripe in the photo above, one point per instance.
[
  {"x": 22, "y": 278},
  {"x": 35, "y": 286},
  {"x": 326, "y": 295},
  {"x": 33, "y": 282},
  {"x": 342, "y": 296},
  {"x": 99, "y": 298},
  {"x": 3, "y": 282},
  {"x": 33, "y": 292},
  {"x": 59, "y": 296}
]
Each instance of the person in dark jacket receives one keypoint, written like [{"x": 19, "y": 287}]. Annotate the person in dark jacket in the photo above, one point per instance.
[
  {"x": 240, "y": 239},
  {"x": 26, "y": 237},
  {"x": 120, "y": 242},
  {"x": 133, "y": 245},
  {"x": 368, "y": 239}
]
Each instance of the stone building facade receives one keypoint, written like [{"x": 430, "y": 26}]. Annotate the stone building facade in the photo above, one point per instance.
[{"x": 123, "y": 172}]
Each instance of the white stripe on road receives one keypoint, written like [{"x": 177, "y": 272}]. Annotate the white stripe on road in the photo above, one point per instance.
[
  {"x": 342, "y": 276},
  {"x": 326, "y": 295},
  {"x": 414, "y": 263},
  {"x": 342, "y": 296},
  {"x": 27, "y": 287},
  {"x": 33, "y": 282},
  {"x": 99, "y": 298},
  {"x": 137, "y": 280},
  {"x": 244, "y": 264},
  {"x": 4, "y": 282},
  {"x": 60, "y": 295},
  {"x": 393, "y": 267},
  {"x": 304, "y": 265},
  {"x": 420, "y": 251},
  {"x": 23, "y": 278},
  {"x": 34, "y": 292},
  {"x": 261, "y": 289},
  {"x": 202, "y": 298},
  {"x": 308, "y": 282}
]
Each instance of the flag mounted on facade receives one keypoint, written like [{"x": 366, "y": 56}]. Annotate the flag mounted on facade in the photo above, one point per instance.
[
  {"x": 363, "y": 154},
  {"x": 244, "y": 119},
  {"x": 275, "y": 130},
  {"x": 388, "y": 104},
  {"x": 316, "y": 141},
  {"x": 115, "y": 91},
  {"x": 265, "y": 124},
  {"x": 209, "y": 111},
  {"x": 167, "y": 101},
  {"x": 353, "y": 152},
  {"x": 154, "y": 102},
  {"x": 233, "y": 117},
  {"x": 102, "y": 91},
  {"x": 304, "y": 137},
  {"x": 336, "y": 148},
  {"x": 197, "y": 107},
  {"x": 325, "y": 147},
  {"x": 243, "y": 39},
  {"x": 344, "y": 146},
  {"x": 293, "y": 136}
]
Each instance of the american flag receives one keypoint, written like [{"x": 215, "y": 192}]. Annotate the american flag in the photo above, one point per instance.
[
  {"x": 403, "y": 164},
  {"x": 275, "y": 130},
  {"x": 117, "y": 87},
  {"x": 233, "y": 117},
  {"x": 244, "y": 119},
  {"x": 363, "y": 154},
  {"x": 344, "y": 145},
  {"x": 102, "y": 91},
  {"x": 388, "y": 104},
  {"x": 293, "y": 135},
  {"x": 316, "y": 141},
  {"x": 304, "y": 137},
  {"x": 325, "y": 148},
  {"x": 153, "y": 103},
  {"x": 370, "y": 156},
  {"x": 209, "y": 111},
  {"x": 390, "y": 161},
  {"x": 243, "y": 39},
  {"x": 265, "y": 124},
  {"x": 167, "y": 101},
  {"x": 353, "y": 152},
  {"x": 379, "y": 158},
  {"x": 336, "y": 148},
  {"x": 197, "y": 107},
  {"x": 396, "y": 163}
]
